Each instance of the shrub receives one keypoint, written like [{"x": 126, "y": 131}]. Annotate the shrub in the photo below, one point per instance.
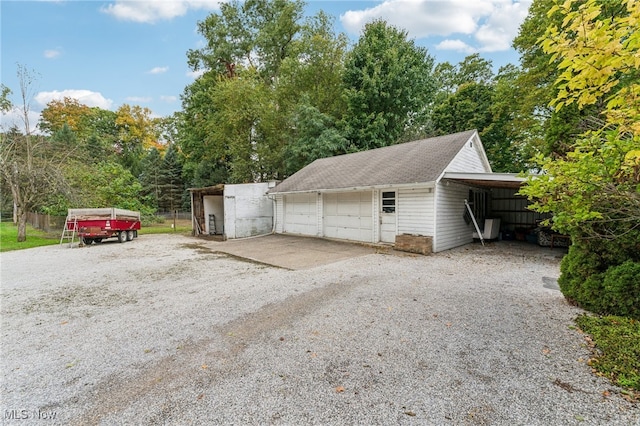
[
  {"x": 621, "y": 290},
  {"x": 592, "y": 280},
  {"x": 576, "y": 267}
]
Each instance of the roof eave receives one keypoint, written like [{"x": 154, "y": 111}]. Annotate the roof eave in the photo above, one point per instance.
[
  {"x": 503, "y": 180},
  {"x": 357, "y": 188}
]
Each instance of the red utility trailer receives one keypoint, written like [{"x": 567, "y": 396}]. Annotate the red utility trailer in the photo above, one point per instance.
[{"x": 97, "y": 224}]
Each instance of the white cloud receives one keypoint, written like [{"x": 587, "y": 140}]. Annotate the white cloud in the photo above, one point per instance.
[
  {"x": 86, "y": 97},
  {"x": 138, "y": 99},
  {"x": 168, "y": 99},
  {"x": 493, "y": 23},
  {"x": 52, "y": 53},
  {"x": 157, "y": 10},
  {"x": 158, "y": 70},
  {"x": 456, "y": 45},
  {"x": 15, "y": 117},
  {"x": 502, "y": 26}
]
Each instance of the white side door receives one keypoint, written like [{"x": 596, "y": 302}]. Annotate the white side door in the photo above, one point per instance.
[{"x": 388, "y": 221}]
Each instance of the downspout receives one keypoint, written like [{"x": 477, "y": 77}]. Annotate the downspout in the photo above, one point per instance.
[{"x": 275, "y": 213}]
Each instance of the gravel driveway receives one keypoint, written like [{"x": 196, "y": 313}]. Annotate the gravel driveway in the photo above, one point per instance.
[{"x": 167, "y": 330}]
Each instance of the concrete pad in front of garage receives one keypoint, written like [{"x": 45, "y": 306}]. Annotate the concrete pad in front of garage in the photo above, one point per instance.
[{"x": 291, "y": 251}]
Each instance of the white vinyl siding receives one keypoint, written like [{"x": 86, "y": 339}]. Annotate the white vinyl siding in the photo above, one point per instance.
[
  {"x": 348, "y": 215},
  {"x": 470, "y": 159},
  {"x": 451, "y": 229},
  {"x": 375, "y": 211},
  {"x": 415, "y": 211},
  {"x": 300, "y": 214}
]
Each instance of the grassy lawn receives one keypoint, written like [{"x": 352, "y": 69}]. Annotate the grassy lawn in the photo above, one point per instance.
[
  {"x": 182, "y": 227},
  {"x": 37, "y": 238},
  {"x": 615, "y": 342}
]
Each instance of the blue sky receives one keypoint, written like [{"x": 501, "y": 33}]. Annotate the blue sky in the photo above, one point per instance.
[{"x": 108, "y": 53}]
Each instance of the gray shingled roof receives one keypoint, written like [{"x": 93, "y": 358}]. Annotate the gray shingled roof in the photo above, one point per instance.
[{"x": 412, "y": 162}]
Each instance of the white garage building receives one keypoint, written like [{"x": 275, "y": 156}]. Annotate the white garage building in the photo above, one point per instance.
[{"x": 417, "y": 188}]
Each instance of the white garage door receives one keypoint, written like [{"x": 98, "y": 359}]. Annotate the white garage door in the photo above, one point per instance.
[
  {"x": 300, "y": 214},
  {"x": 348, "y": 216}
]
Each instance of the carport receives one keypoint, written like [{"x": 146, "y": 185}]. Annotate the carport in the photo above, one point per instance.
[{"x": 498, "y": 192}]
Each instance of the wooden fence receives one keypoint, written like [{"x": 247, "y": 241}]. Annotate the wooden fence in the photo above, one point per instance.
[{"x": 46, "y": 222}]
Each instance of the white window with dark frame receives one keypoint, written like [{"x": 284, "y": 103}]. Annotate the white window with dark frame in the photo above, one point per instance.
[{"x": 388, "y": 201}]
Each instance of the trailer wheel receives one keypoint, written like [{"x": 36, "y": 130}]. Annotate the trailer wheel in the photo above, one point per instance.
[
  {"x": 122, "y": 236},
  {"x": 87, "y": 241},
  {"x": 98, "y": 240},
  {"x": 129, "y": 235}
]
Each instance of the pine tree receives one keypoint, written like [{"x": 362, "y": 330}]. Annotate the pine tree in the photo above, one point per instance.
[{"x": 170, "y": 184}]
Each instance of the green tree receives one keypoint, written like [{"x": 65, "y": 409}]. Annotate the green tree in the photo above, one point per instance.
[
  {"x": 550, "y": 131},
  {"x": 258, "y": 33},
  {"x": 65, "y": 140},
  {"x": 96, "y": 132},
  {"x": 505, "y": 141},
  {"x": 110, "y": 184},
  {"x": 66, "y": 112},
  {"x": 388, "y": 85},
  {"x": 260, "y": 60},
  {"x": 467, "y": 108},
  {"x": 204, "y": 165},
  {"x": 137, "y": 131},
  {"x": 314, "y": 68},
  {"x": 597, "y": 63},
  {"x": 598, "y": 52},
  {"x": 29, "y": 166},
  {"x": 150, "y": 177},
  {"x": 471, "y": 97},
  {"x": 240, "y": 129},
  {"x": 96, "y": 150},
  {"x": 473, "y": 69},
  {"x": 534, "y": 85},
  {"x": 103, "y": 134},
  {"x": 594, "y": 191},
  {"x": 5, "y": 102},
  {"x": 309, "y": 92},
  {"x": 170, "y": 182},
  {"x": 231, "y": 129},
  {"x": 315, "y": 136}
]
